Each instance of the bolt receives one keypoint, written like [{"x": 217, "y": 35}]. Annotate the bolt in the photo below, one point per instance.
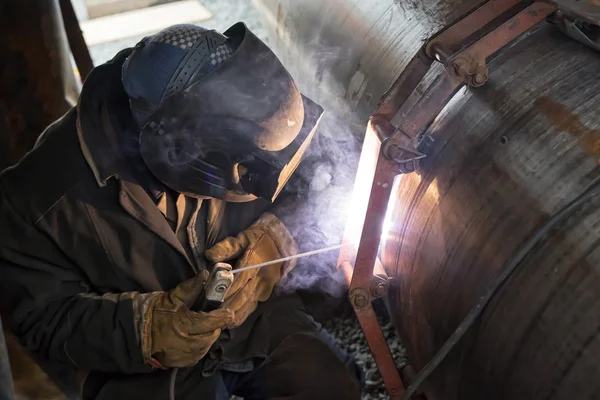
[
  {"x": 461, "y": 66},
  {"x": 359, "y": 298},
  {"x": 360, "y": 301},
  {"x": 394, "y": 151},
  {"x": 379, "y": 290},
  {"x": 479, "y": 79},
  {"x": 481, "y": 76},
  {"x": 398, "y": 154},
  {"x": 408, "y": 167}
]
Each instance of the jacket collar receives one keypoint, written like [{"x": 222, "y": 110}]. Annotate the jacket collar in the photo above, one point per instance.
[
  {"x": 94, "y": 127},
  {"x": 101, "y": 125},
  {"x": 102, "y": 98}
]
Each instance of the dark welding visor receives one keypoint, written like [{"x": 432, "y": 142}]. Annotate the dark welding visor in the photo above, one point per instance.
[{"x": 239, "y": 130}]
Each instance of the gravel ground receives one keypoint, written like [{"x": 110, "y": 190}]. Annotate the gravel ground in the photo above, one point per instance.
[{"x": 350, "y": 337}]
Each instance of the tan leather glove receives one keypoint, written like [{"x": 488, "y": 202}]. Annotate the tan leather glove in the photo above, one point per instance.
[
  {"x": 172, "y": 335},
  {"x": 266, "y": 240}
]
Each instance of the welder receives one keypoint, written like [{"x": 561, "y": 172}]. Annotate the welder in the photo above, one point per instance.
[{"x": 174, "y": 159}]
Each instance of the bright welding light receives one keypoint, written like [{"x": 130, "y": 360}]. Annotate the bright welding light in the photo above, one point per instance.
[
  {"x": 387, "y": 222},
  {"x": 357, "y": 207}
]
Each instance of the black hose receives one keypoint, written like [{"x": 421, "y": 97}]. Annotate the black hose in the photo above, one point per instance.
[{"x": 511, "y": 265}]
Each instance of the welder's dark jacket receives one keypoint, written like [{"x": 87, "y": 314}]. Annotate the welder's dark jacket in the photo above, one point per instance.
[{"x": 76, "y": 226}]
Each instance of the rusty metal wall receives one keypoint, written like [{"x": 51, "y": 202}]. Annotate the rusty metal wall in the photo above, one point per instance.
[
  {"x": 505, "y": 158},
  {"x": 37, "y": 83},
  {"x": 37, "y": 86}
]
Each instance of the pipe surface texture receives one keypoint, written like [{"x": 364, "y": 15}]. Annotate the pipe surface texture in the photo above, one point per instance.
[{"x": 506, "y": 158}]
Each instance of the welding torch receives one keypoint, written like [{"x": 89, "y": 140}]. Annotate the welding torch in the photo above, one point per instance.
[
  {"x": 218, "y": 283},
  {"x": 222, "y": 275}
]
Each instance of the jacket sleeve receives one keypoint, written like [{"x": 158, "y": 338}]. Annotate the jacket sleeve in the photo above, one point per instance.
[{"x": 52, "y": 311}]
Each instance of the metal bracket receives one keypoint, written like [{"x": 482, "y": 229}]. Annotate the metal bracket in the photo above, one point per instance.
[
  {"x": 584, "y": 10},
  {"x": 463, "y": 48},
  {"x": 583, "y": 32}
]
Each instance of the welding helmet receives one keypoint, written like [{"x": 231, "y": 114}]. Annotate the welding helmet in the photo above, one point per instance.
[{"x": 231, "y": 123}]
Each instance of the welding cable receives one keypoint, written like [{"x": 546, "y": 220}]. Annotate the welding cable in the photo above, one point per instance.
[
  {"x": 172, "y": 380},
  {"x": 591, "y": 191}
]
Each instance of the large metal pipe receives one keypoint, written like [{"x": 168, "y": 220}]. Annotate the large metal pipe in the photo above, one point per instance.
[
  {"x": 506, "y": 157},
  {"x": 347, "y": 53}
]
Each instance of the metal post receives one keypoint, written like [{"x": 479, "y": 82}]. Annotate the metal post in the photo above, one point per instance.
[
  {"x": 79, "y": 49},
  {"x": 37, "y": 84},
  {"x": 6, "y": 383}
]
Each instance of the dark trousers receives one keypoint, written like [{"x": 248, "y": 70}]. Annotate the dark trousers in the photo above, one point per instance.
[
  {"x": 303, "y": 363},
  {"x": 302, "y": 367}
]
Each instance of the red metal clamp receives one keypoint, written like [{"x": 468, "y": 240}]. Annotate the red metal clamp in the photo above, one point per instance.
[{"x": 389, "y": 149}]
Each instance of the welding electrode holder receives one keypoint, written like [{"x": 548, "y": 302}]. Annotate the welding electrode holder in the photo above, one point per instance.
[
  {"x": 211, "y": 298},
  {"x": 216, "y": 287}
]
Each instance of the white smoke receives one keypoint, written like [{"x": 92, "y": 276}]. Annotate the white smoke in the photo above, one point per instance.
[{"x": 324, "y": 183}]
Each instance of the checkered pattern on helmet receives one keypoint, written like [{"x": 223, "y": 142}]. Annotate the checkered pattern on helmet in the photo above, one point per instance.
[
  {"x": 183, "y": 36},
  {"x": 221, "y": 54}
]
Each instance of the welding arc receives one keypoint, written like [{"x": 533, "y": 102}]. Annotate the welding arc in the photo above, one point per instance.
[
  {"x": 308, "y": 253},
  {"x": 591, "y": 191}
]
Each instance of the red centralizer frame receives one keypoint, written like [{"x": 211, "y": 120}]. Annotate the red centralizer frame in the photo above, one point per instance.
[{"x": 463, "y": 48}]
